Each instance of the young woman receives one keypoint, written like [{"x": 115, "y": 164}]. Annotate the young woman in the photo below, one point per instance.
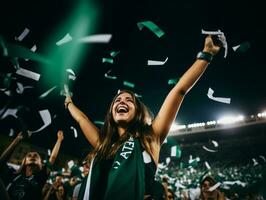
[
  {"x": 127, "y": 148},
  {"x": 28, "y": 181}
]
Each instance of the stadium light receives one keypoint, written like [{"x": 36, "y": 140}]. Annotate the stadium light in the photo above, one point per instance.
[{"x": 230, "y": 119}]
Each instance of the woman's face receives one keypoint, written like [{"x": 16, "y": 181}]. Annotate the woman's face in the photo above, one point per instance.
[
  {"x": 33, "y": 158},
  {"x": 124, "y": 109}
]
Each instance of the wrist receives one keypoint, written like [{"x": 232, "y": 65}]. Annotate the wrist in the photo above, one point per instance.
[{"x": 204, "y": 55}]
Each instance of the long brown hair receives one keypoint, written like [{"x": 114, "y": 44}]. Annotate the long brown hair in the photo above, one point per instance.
[{"x": 139, "y": 127}]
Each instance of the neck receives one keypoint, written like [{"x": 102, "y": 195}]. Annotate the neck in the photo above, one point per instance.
[
  {"x": 121, "y": 131},
  {"x": 28, "y": 171}
]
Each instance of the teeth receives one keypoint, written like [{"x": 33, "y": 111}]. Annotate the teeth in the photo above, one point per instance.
[{"x": 122, "y": 109}]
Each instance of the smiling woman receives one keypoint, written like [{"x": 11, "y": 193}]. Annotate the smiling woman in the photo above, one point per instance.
[{"x": 127, "y": 148}]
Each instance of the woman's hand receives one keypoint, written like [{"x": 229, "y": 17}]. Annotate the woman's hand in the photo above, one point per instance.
[{"x": 210, "y": 47}]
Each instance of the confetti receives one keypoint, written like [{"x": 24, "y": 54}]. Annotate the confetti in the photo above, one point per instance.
[
  {"x": 175, "y": 151},
  {"x": 20, "y": 89},
  {"x": 28, "y": 74},
  {"x": 114, "y": 53},
  {"x": 9, "y": 111},
  {"x": 209, "y": 150},
  {"x": 72, "y": 75},
  {"x": 67, "y": 38},
  {"x": 214, "y": 187},
  {"x": 207, "y": 165},
  {"x": 128, "y": 84},
  {"x": 45, "y": 94},
  {"x": 218, "y": 99},
  {"x": 46, "y": 118},
  {"x": 173, "y": 81},
  {"x": 49, "y": 152},
  {"x": 75, "y": 131},
  {"x": 146, "y": 157},
  {"x": 99, "y": 122},
  {"x": 215, "y": 143},
  {"x": 23, "y": 35},
  {"x": 108, "y": 76},
  {"x": 152, "y": 27},
  {"x": 98, "y": 38},
  {"x": 11, "y": 132},
  {"x": 107, "y": 60},
  {"x": 154, "y": 62}
]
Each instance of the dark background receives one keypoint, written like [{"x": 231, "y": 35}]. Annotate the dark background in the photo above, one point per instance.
[{"x": 241, "y": 76}]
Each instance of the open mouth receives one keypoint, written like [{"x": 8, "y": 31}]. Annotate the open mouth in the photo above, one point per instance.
[{"x": 122, "y": 109}]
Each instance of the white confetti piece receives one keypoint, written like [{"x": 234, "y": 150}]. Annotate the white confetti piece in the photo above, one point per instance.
[
  {"x": 207, "y": 165},
  {"x": 67, "y": 38},
  {"x": 173, "y": 151},
  {"x": 46, "y": 118},
  {"x": 75, "y": 131},
  {"x": 236, "y": 47},
  {"x": 70, "y": 164},
  {"x": 20, "y": 89},
  {"x": 106, "y": 75},
  {"x": 214, "y": 187},
  {"x": 9, "y": 111},
  {"x": 154, "y": 62},
  {"x": 11, "y": 132},
  {"x": 72, "y": 75},
  {"x": 47, "y": 92},
  {"x": 207, "y": 149},
  {"x": 23, "y": 34},
  {"x": 98, "y": 38},
  {"x": 215, "y": 143},
  {"x": 49, "y": 152},
  {"x": 28, "y": 74},
  {"x": 146, "y": 157},
  {"x": 219, "y": 99}
]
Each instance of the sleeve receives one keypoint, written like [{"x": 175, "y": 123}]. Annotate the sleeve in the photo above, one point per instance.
[{"x": 76, "y": 191}]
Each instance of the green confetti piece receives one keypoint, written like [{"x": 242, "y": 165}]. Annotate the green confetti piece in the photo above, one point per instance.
[
  {"x": 99, "y": 122},
  {"x": 151, "y": 26},
  {"x": 67, "y": 38},
  {"x": 114, "y": 53},
  {"x": 173, "y": 81},
  {"x": 108, "y": 60},
  {"x": 138, "y": 95},
  {"x": 128, "y": 84}
]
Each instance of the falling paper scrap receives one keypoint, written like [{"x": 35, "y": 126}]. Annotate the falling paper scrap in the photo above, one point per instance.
[
  {"x": 214, "y": 187},
  {"x": 219, "y": 99},
  {"x": 28, "y": 74},
  {"x": 46, "y": 118},
  {"x": 67, "y": 38},
  {"x": 20, "y": 89},
  {"x": 207, "y": 165},
  {"x": 128, "y": 84},
  {"x": 221, "y": 37},
  {"x": 106, "y": 75},
  {"x": 215, "y": 143},
  {"x": 154, "y": 62},
  {"x": 114, "y": 53},
  {"x": 46, "y": 93},
  {"x": 75, "y": 131},
  {"x": 22, "y": 35},
  {"x": 99, "y": 122},
  {"x": 107, "y": 60},
  {"x": 72, "y": 75},
  {"x": 173, "y": 81},
  {"x": 9, "y": 111},
  {"x": 33, "y": 49},
  {"x": 151, "y": 26},
  {"x": 98, "y": 38},
  {"x": 207, "y": 149}
]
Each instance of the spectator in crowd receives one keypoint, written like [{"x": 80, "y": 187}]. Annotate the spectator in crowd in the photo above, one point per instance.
[
  {"x": 27, "y": 182},
  {"x": 127, "y": 149}
]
